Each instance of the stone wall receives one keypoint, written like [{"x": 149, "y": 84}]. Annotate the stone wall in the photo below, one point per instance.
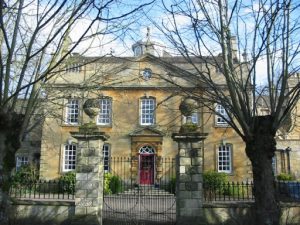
[
  {"x": 41, "y": 212},
  {"x": 243, "y": 213},
  {"x": 61, "y": 213}
]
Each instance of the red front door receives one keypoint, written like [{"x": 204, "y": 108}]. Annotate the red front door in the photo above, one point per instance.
[{"x": 146, "y": 169}]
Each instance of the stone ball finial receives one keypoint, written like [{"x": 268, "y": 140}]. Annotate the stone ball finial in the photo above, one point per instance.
[
  {"x": 91, "y": 107},
  {"x": 187, "y": 107}
]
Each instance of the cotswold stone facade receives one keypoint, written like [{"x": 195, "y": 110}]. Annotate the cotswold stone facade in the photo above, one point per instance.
[{"x": 139, "y": 112}]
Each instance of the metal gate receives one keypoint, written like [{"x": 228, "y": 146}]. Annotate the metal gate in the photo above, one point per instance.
[{"x": 129, "y": 201}]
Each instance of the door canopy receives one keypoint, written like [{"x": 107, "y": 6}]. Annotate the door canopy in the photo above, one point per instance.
[{"x": 147, "y": 150}]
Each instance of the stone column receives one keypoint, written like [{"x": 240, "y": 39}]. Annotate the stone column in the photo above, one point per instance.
[
  {"x": 189, "y": 191},
  {"x": 89, "y": 178}
]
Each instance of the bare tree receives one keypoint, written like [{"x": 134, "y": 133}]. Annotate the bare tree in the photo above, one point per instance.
[
  {"x": 35, "y": 41},
  {"x": 202, "y": 32}
]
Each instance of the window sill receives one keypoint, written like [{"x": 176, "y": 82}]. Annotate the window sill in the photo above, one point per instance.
[
  {"x": 104, "y": 125},
  {"x": 222, "y": 125},
  {"x": 67, "y": 171},
  {"x": 227, "y": 173},
  {"x": 147, "y": 125},
  {"x": 70, "y": 125}
]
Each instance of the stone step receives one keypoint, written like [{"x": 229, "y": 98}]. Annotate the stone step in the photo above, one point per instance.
[{"x": 149, "y": 191}]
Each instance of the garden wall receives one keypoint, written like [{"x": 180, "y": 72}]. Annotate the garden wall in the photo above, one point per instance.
[
  {"x": 44, "y": 212},
  {"x": 61, "y": 213},
  {"x": 242, "y": 213}
]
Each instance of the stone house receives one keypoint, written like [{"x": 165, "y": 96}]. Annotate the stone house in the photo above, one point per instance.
[{"x": 140, "y": 111}]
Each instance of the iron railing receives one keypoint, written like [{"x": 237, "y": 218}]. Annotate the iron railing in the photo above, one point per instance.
[
  {"x": 230, "y": 191},
  {"x": 287, "y": 191},
  {"x": 43, "y": 190}
]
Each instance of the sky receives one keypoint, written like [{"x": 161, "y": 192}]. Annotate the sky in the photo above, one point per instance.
[{"x": 127, "y": 32}]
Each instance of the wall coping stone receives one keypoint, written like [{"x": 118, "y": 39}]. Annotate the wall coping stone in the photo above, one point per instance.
[
  {"x": 54, "y": 202},
  {"x": 243, "y": 204}
]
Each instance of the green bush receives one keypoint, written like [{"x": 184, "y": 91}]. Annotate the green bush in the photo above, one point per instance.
[
  {"x": 27, "y": 174},
  {"x": 112, "y": 184},
  {"x": 67, "y": 182},
  {"x": 236, "y": 190},
  {"x": 115, "y": 184},
  {"x": 107, "y": 178},
  {"x": 188, "y": 128},
  {"x": 172, "y": 185},
  {"x": 285, "y": 177},
  {"x": 214, "y": 182},
  {"x": 213, "y": 178}
]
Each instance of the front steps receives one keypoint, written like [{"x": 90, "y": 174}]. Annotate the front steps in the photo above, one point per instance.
[{"x": 146, "y": 190}]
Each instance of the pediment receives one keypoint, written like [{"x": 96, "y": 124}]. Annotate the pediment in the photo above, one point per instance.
[
  {"x": 146, "y": 131},
  {"x": 130, "y": 74}
]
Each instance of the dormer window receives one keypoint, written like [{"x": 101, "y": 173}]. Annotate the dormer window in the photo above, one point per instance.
[{"x": 137, "y": 51}]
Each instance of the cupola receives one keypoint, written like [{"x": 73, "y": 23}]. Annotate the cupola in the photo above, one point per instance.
[{"x": 147, "y": 46}]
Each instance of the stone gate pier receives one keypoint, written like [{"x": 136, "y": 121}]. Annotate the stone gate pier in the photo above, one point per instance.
[
  {"x": 89, "y": 177},
  {"x": 189, "y": 191}
]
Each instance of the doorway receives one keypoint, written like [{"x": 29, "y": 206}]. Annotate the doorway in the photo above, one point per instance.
[{"x": 147, "y": 165}]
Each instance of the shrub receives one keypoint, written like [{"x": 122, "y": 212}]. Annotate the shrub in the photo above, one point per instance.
[
  {"x": 67, "y": 182},
  {"x": 213, "y": 178},
  {"x": 214, "y": 182},
  {"x": 115, "y": 184},
  {"x": 172, "y": 185},
  {"x": 237, "y": 190},
  {"x": 107, "y": 178},
  {"x": 27, "y": 174},
  {"x": 188, "y": 128},
  {"x": 112, "y": 184},
  {"x": 285, "y": 177}
]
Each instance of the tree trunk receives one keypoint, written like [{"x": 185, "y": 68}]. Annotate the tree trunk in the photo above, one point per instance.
[
  {"x": 10, "y": 125},
  {"x": 260, "y": 149},
  {"x": 3, "y": 181}
]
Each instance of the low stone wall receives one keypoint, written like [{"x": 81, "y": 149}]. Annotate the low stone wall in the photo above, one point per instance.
[
  {"x": 238, "y": 213},
  {"x": 27, "y": 212},
  {"x": 62, "y": 212}
]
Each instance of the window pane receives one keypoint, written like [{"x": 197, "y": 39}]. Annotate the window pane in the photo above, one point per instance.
[
  {"x": 73, "y": 68},
  {"x": 21, "y": 161},
  {"x": 72, "y": 111},
  {"x": 106, "y": 156},
  {"x": 147, "y": 111},
  {"x": 70, "y": 158},
  {"x": 221, "y": 111},
  {"x": 224, "y": 159},
  {"x": 194, "y": 118},
  {"x": 104, "y": 117},
  {"x": 274, "y": 165}
]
